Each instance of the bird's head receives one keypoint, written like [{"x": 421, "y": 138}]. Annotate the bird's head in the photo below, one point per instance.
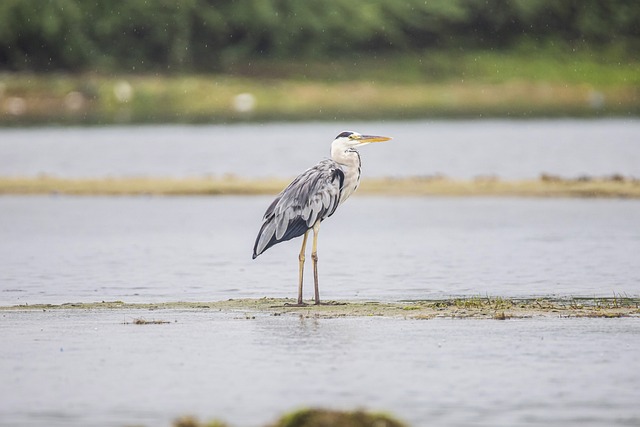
[{"x": 349, "y": 139}]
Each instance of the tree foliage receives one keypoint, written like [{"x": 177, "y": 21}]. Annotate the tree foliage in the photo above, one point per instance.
[{"x": 172, "y": 35}]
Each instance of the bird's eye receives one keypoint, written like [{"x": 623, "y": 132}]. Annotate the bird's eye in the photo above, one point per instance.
[{"x": 352, "y": 136}]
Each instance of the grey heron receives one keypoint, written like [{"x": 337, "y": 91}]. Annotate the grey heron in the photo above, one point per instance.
[{"x": 312, "y": 197}]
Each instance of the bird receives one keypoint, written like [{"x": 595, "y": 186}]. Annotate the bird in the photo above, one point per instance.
[{"x": 311, "y": 198}]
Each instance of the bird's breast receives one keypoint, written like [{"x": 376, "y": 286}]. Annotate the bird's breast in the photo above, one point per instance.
[{"x": 351, "y": 182}]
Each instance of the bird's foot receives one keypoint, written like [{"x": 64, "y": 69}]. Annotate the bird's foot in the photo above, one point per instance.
[
  {"x": 298, "y": 304},
  {"x": 304, "y": 304}
]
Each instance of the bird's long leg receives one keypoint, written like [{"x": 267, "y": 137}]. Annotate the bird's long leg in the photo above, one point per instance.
[
  {"x": 314, "y": 257},
  {"x": 301, "y": 271}
]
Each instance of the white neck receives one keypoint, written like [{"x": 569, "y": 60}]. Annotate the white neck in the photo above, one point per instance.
[
  {"x": 349, "y": 161},
  {"x": 346, "y": 156}
]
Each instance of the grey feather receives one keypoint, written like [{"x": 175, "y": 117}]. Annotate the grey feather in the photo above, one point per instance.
[{"x": 313, "y": 196}]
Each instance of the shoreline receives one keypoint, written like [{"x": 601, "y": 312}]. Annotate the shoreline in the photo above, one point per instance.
[
  {"x": 546, "y": 186},
  {"x": 475, "y": 84},
  {"x": 496, "y": 308}
]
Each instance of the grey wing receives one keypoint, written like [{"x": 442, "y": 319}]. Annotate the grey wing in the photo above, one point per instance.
[{"x": 314, "y": 195}]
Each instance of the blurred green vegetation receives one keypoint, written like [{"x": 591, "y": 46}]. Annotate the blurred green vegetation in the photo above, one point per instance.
[
  {"x": 216, "y": 35},
  {"x": 476, "y": 84},
  {"x": 124, "y": 61}
]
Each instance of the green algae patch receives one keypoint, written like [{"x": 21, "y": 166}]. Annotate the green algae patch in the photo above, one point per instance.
[
  {"x": 189, "y": 421},
  {"x": 143, "y": 321},
  {"x": 311, "y": 417},
  {"x": 497, "y": 308},
  {"x": 327, "y": 418}
]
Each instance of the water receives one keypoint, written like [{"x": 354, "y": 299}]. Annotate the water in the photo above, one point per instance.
[
  {"x": 87, "y": 368},
  {"x": 57, "y": 249},
  {"x": 459, "y": 149}
]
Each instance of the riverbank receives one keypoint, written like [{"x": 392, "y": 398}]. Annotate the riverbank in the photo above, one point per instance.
[{"x": 546, "y": 186}]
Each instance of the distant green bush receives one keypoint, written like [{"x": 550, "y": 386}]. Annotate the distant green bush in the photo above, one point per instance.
[{"x": 197, "y": 35}]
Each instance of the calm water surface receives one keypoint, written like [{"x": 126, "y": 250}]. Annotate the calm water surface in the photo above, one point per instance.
[
  {"x": 459, "y": 149},
  {"x": 63, "y": 249},
  {"x": 87, "y": 368}
]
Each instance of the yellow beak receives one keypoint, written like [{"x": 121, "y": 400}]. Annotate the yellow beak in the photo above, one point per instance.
[{"x": 373, "y": 138}]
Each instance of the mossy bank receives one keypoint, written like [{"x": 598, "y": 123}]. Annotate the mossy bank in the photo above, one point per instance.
[{"x": 470, "y": 308}]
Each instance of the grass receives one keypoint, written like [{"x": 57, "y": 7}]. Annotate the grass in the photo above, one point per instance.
[
  {"x": 612, "y": 66},
  {"x": 520, "y": 83},
  {"x": 615, "y": 186}
]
